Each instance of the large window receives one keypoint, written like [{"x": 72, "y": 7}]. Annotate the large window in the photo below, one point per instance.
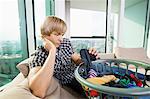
[
  {"x": 9, "y": 29},
  {"x": 12, "y": 48},
  {"x": 88, "y": 24}
]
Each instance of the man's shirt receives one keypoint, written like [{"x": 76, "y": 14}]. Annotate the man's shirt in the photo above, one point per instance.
[{"x": 64, "y": 67}]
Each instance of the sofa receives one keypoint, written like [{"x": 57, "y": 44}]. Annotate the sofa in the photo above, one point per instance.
[
  {"x": 137, "y": 54},
  {"x": 20, "y": 82}
]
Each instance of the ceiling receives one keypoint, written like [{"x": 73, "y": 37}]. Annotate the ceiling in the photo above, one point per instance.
[{"x": 100, "y": 5}]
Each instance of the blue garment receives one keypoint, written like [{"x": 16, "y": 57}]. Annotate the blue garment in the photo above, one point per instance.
[
  {"x": 144, "y": 97},
  {"x": 101, "y": 68},
  {"x": 104, "y": 69}
]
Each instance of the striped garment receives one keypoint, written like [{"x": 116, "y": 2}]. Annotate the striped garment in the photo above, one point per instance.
[{"x": 64, "y": 67}]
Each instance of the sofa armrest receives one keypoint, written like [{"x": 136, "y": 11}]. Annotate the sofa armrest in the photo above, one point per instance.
[
  {"x": 4, "y": 86},
  {"x": 107, "y": 56},
  {"x": 19, "y": 78}
]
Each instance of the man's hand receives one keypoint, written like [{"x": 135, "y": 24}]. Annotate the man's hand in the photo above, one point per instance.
[
  {"x": 77, "y": 58},
  {"x": 94, "y": 52},
  {"x": 48, "y": 45}
]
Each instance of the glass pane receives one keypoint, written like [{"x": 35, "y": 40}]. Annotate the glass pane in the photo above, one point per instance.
[
  {"x": 134, "y": 23},
  {"x": 10, "y": 44},
  {"x": 87, "y": 23},
  {"x": 87, "y": 19},
  {"x": 39, "y": 18},
  {"x": 79, "y": 44},
  {"x": 114, "y": 21},
  {"x": 9, "y": 28}
]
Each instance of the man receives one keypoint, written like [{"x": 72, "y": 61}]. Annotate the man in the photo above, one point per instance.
[{"x": 56, "y": 58}]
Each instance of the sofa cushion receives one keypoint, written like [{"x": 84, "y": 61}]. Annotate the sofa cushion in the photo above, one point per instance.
[
  {"x": 23, "y": 66},
  {"x": 130, "y": 53}
]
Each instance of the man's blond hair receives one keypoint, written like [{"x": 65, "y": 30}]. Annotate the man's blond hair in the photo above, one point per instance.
[{"x": 52, "y": 24}]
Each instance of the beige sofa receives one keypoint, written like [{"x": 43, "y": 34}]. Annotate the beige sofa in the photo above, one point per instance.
[
  {"x": 138, "y": 54},
  {"x": 22, "y": 90},
  {"x": 18, "y": 88}
]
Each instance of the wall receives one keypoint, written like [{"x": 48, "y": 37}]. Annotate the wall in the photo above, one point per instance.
[{"x": 134, "y": 24}]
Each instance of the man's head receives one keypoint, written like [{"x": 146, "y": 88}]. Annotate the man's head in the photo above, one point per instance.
[{"x": 53, "y": 29}]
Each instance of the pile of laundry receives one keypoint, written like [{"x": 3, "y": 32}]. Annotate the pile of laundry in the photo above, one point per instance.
[
  {"x": 113, "y": 76},
  {"x": 109, "y": 74}
]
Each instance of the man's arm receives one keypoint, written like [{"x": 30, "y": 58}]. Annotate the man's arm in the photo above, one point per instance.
[
  {"x": 76, "y": 58},
  {"x": 40, "y": 78}
]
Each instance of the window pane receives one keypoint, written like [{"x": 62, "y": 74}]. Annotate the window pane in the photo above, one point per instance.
[
  {"x": 114, "y": 21},
  {"x": 10, "y": 44},
  {"x": 9, "y": 25},
  {"x": 79, "y": 44},
  {"x": 87, "y": 22},
  {"x": 87, "y": 19}
]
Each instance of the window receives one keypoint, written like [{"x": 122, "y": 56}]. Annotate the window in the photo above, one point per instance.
[
  {"x": 86, "y": 43},
  {"x": 88, "y": 24},
  {"x": 9, "y": 29},
  {"x": 13, "y": 48}
]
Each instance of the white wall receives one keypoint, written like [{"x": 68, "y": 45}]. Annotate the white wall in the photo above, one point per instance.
[{"x": 132, "y": 34}]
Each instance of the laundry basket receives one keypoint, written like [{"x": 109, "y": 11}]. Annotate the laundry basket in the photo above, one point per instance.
[{"x": 124, "y": 66}]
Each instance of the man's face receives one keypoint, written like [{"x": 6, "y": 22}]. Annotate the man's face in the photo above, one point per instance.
[{"x": 56, "y": 38}]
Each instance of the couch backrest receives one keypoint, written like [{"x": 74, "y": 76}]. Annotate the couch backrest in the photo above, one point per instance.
[
  {"x": 130, "y": 53},
  {"x": 23, "y": 66}
]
